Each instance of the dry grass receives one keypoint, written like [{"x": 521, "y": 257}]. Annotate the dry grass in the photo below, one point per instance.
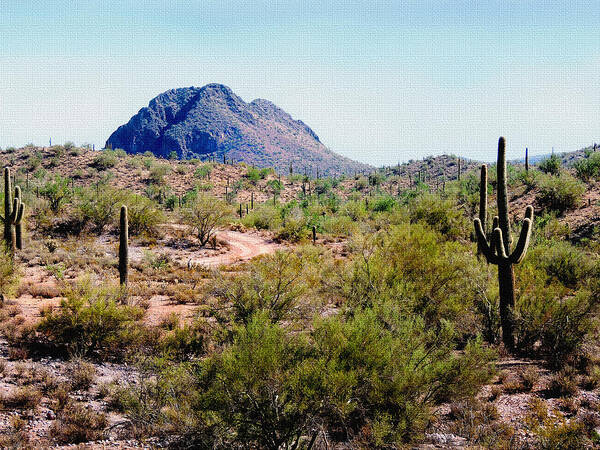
[{"x": 21, "y": 398}]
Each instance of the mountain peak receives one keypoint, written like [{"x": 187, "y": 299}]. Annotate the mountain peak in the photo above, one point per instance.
[{"x": 212, "y": 121}]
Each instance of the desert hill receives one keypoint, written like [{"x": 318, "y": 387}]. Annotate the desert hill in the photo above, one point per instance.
[{"x": 212, "y": 122}]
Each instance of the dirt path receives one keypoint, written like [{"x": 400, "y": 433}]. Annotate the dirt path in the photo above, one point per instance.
[
  {"x": 237, "y": 247},
  {"x": 242, "y": 247}
]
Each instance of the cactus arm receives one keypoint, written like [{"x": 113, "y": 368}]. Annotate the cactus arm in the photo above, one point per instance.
[
  {"x": 529, "y": 213},
  {"x": 496, "y": 223},
  {"x": 485, "y": 248},
  {"x": 502, "y": 194},
  {"x": 19, "y": 215},
  {"x": 498, "y": 244},
  {"x": 483, "y": 197},
  {"x": 521, "y": 249},
  {"x": 15, "y": 211}
]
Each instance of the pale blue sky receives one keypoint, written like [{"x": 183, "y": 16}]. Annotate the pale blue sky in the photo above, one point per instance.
[{"x": 378, "y": 81}]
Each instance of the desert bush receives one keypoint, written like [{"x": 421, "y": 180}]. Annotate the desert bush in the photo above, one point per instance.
[
  {"x": 355, "y": 209},
  {"x": 274, "y": 284},
  {"x": 82, "y": 374},
  {"x": 57, "y": 192},
  {"x": 383, "y": 204},
  {"x": 77, "y": 423},
  {"x": 293, "y": 228},
  {"x": 339, "y": 225},
  {"x": 563, "y": 262},
  {"x": 186, "y": 341},
  {"x": 264, "y": 217},
  {"x": 361, "y": 184},
  {"x": 550, "y": 165},
  {"x": 478, "y": 422},
  {"x": 559, "y": 193},
  {"x": 274, "y": 385},
  {"x": 589, "y": 167},
  {"x": 552, "y": 323},
  {"x": 254, "y": 175},
  {"x": 441, "y": 215},
  {"x": 91, "y": 319},
  {"x": 158, "y": 173},
  {"x": 558, "y": 433},
  {"x": 9, "y": 273},
  {"x": 98, "y": 208},
  {"x": 203, "y": 171},
  {"x": 205, "y": 215},
  {"x": 143, "y": 214},
  {"x": 161, "y": 400},
  {"x": 421, "y": 271},
  {"x": 105, "y": 160},
  {"x": 25, "y": 397},
  {"x": 563, "y": 383}
]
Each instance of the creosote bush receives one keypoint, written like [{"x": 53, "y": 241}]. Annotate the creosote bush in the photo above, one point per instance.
[
  {"x": 205, "y": 215},
  {"x": 91, "y": 319},
  {"x": 559, "y": 193}
]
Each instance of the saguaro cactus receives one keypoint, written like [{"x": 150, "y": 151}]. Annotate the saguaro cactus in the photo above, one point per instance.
[
  {"x": 13, "y": 212},
  {"x": 123, "y": 247},
  {"x": 19, "y": 220},
  {"x": 526, "y": 159},
  {"x": 498, "y": 249}
]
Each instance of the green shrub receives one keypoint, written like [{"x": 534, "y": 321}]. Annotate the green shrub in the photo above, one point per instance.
[
  {"x": 253, "y": 175},
  {"x": 105, "y": 160},
  {"x": 186, "y": 341},
  {"x": 441, "y": 215},
  {"x": 383, "y": 204},
  {"x": 373, "y": 375},
  {"x": 559, "y": 193},
  {"x": 205, "y": 215},
  {"x": 98, "y": 207},
  {"x": 563, "y": 262},
  {"x": 77, "y": 423},
  {"x": 158, "y": 173},
  {"x": 339, "y": 225},
  {"x": 143, "y": 214},
  {"x": 91, "y": 319},
  {"x": 555, "y": 309},
  {"x": 589, "y": 167},
  {"x": 57, "y": 192},
  {"x": 9, "y": 272},
  {"x": 203, "y": 171},
  {"x": 264, "y": 217},
  {"x": 420, "y": 270},
  {"x": 550, "y": 165},
  {"x": 273, "y": 286},
  {"x": 294, "y": 227}
]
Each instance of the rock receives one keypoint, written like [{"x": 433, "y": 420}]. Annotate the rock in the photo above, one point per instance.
[
  {"x": 446, "y": 439},
  {"x": 214, "y": 122}
]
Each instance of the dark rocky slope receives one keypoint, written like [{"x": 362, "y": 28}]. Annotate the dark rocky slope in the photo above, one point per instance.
[{"x": 213, "y": 121}]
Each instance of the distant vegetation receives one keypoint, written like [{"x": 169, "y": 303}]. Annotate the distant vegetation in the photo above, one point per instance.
[{"x": 355, "y": 341}]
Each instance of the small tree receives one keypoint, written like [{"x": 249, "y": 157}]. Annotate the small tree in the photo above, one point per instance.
[
  {"x": 56, "y": 192},
  {"x": 205, "y": 215}
]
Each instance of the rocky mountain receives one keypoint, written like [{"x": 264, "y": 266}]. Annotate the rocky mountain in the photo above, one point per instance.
[{"x": 212, "y": 121}]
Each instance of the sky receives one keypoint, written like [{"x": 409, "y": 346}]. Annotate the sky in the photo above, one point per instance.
[{"x": 379, "y": 81}]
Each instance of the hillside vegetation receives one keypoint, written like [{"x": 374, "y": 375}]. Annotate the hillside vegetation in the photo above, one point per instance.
[{"x": 368, "y": 319}]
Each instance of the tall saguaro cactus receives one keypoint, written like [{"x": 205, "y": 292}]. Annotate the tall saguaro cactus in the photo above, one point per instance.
[
  {"x": 123, "y": 247},
  {"x": 498, "y": 249},
  {"x": 13, "y": 212},
  {"x": 19, "y": 220}
]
